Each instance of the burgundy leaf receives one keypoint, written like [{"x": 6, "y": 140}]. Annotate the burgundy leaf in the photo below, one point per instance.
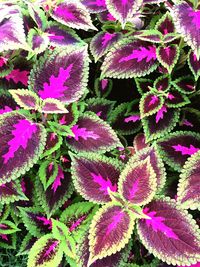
[
  {"x": 185, "y": 85},
  {"x": 94, "y": 6},
  {"x": 91, "y": 134},
  {"x": 130, "y": 58},
  {"x": 150, "y": 103},
  {"x": 170, "y": 233},
  {"x": 176, "y": 99},
  {"x": 137, "y": 182},
  {"x": 168, "y": 56},
  {"x": 165, "y": 25},
  {"x": 17, "y": 154},
  {"x": 194, "y": 64},
  {"x": 143, "y": 85},
  {"x": 178, "y": 146},
  {"x": 73, "y": 14},
  {"x": 93, "y": 175},
  {"x": 7, "y": 103},
  {"x": 110, "y": 231},
  {"x": 162, "y": 83}
]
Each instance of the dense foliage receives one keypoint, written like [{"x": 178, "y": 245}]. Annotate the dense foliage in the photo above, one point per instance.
[{"x": 99, "y": 133}]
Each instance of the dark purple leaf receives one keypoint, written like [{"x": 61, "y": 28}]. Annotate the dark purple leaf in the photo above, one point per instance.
[
  {"x": 110, "y": 231},
  {"x": 165, "y": 25},
  {"x": 53, "y": 143},
  {"x": 170, "y": 233},
  {"x": 137, "y": 182},
  {"x": 94, "y": 6},
  {"x": 194, "y": 64},
  {"x": 185, "y": 85},
  {"x": 187, "y": 23},
  {"x": 93, "y": 175},
  {"x": 73, "y": 14},
  {"x": 61, "y": 74},
  {"x": 189, "y": 183},
  {"x": 150, "y": 103},
  {"x": 143, "y": 85},
  {"x": 161, "y": 123},
  {"x": 176, "y": 99},
  {"x": 45, "y": 251},
  {"x": 102, "y": 42},
  {"x": 168, "y": 56},
  {"x": 130, "y": 58},
  {"x": 92, "y": 134},
  {"x": 103, "y": 87},
  {"x": 26, "y": 99},
  {"x": 60, "y": 35},
  {"x": 122, "y": 10},
  {"x": 11, "y": 192},
  {"x": 140, "y": 142},
  {"x": 17, "y": 154},
  {"x": 178, "y": 146},
  {"x": 162, "y": 83},
  {"x": 7, "y": 103}
]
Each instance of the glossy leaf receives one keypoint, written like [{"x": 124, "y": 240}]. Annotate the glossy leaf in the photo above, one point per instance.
[
  {"x": 18, "y": 155},
  {"x": 93, "y": 175}
]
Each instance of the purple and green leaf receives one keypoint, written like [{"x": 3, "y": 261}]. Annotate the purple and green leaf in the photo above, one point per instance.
[
  {"x": 194, "y": 64},
  {"x": 46, "y": 251},
  {"x": 92, "y": 134},
  {"x": 93, "y": 175},
  {"x": 11, "y": 192},
  {"x": 144, "y": 85},
  {"x": 150, "y": 103},
  {"x": 22, "y": 142},
  {"x": 168, "y": 56},
  {"x": 138, "y": 182},
  {"x": 185, "y": 85},
  {"x": 177, "y": 147},
  {"x": 103, "y": 87},
  {"x": 110, "y": 231},
  {"x": 162, "y": 83},
  {"x": 61, "y": 74},
  {"x": 130, "y": 58},
  {"x": 189, "y": 183},
  {"x": 73, "y": 14},
  {"x": 94, "y": 6},
  {"x": 170, "y": 233}
]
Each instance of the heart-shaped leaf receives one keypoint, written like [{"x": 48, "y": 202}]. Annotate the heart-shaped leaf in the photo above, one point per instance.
[
  {"x": 93, "y": 175},
  {"x": 17, "y": 154},
  {"x": 162, "y": 83},
  {"x": 143, "y": 85},
  {"x": 51, "y": 105},
  {"x": 137, "y": 182},
  {"x": 150, "y": 103},
  {"x": 73, "y": 14},
  {"x": 189, "y": 183},
  {"x": 61, "y": 74},
  {"x": 165, "y": 25},
  {"x": 129, "y": 58},
  {"x": 110, "y": 231},
  {"x": 170, "y": 233},
  {"x": 92, "y": 134}
]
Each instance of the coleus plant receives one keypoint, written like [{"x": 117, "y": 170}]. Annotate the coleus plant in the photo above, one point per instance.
[{"x": 98, "y": 172}]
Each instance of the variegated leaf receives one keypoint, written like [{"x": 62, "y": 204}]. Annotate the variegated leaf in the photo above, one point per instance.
[
  {"x": 168, "y": 56},
  {"x": 137, "y": 182},
  {"x": 26, "y": 99},
  {"x": 73, "y": 14},
  {"x": 46, "y": 252},
  {"x": 94, "y": 6},
  {"x": 178, "y": 146},
  {"x": 110, "y": 231},
  {"x": 185, "y": 85},
  {"x": 170, "y": 233},
  {"x": 189, "y": 183},
  {"x": 93, "y": 175},
  {"x": 150, "y": 103},
  {"x": 102, "y": 42},
  {"x": 17, "y": 154},
  {"x": 51, "y": 105},
  {"x": 194, "y": 64},
  {"x": 61, "y": 74},
  {"x": 92, "y": 134},
  {"x": 130, "y": 58}
]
